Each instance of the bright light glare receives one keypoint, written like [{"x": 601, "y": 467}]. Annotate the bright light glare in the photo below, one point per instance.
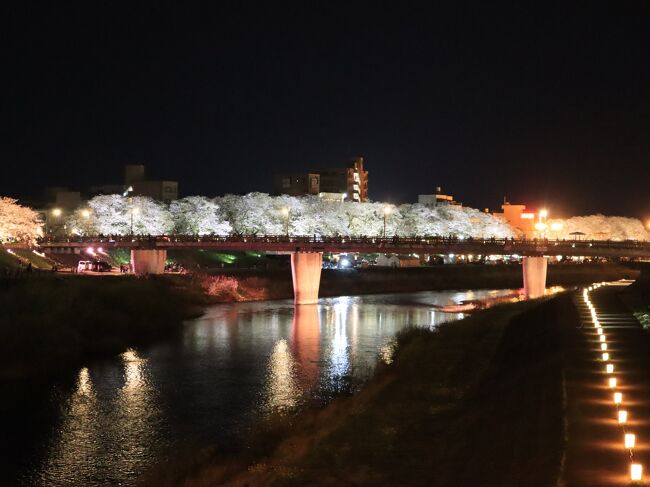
[
  {"x": 609, "y": 368},
  {"x": 636, "y": 472},
  {"x": 387, "y": 210},
  {"x": 602, "y": 338},
  {"x": 605, "y": 356},
  {"x": 57, "y": 212},
  {"x": 603, "y": 346},
  {"x": 543, "y": 213},
  {"x": 618, "y": 398},
  {"x": 622, "y": 417},
  {"x": 85, "y": 213},
  {"x": 630, "y": 439},
  {"x": 612, "y": 382}
]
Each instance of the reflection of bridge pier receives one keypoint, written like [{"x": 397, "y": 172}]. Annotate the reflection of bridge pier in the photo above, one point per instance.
[
  {"x": 534, "y": 276},
  {"x": 305, "y": 342}
]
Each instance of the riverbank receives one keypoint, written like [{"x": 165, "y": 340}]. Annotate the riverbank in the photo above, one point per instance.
[
  {"x": 50, "y": 323},
  {"x": 474, "y": 402},
  {"x": 250, "y": 285}
]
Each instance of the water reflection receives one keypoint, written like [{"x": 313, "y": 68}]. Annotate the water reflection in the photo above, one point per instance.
[
  {"x": 305, "y": 343},
  {"x": 237, "y": 361},
  {"x": 282, "y": 388},
  {"x": 109, "y": 430}
]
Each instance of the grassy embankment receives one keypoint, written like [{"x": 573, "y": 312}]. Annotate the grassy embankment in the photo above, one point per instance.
[
  {"x": 49, "y": 322},
  {"x": 475, "y": 402},
  {"x": 637, "y": 296},
  {"x": 243, "y": 285}
]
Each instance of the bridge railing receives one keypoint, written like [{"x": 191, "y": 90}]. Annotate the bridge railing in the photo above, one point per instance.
[{"x": 425, "y": 240}]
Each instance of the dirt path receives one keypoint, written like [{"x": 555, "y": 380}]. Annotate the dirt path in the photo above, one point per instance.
[{"x": 596, "y": 455}]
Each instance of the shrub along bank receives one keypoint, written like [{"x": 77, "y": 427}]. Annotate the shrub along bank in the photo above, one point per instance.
[{"x": 250, "y": 285}]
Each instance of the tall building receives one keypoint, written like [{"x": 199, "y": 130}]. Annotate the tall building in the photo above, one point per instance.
[{"x": 350, "y": 182}]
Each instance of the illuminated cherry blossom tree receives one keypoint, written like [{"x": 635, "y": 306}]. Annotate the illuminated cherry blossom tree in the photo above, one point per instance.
[
  {"x": 599, "y": 227},
  {"x": 118, "y": 215},
  {"x": 198, "y": 215},
  {"x": 18, "y": 223}
]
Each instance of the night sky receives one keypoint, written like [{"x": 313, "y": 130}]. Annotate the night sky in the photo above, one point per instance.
[{"x": 545, "y": 102}]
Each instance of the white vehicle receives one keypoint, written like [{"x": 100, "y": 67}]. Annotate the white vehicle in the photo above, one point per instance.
[{"x": 84, "y": 265}]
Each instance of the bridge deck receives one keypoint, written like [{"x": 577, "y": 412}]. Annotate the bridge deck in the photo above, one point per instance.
[{"x": 397, "y": 245}]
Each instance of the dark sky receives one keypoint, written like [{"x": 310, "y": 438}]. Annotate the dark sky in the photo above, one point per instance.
[{"x": 545, "y": 102}]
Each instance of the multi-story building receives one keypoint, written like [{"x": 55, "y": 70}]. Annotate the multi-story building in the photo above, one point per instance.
[
  {"x": 349, "y": 182},
  {"x": 134, "y": 177},
  {"x": 298, "y": 184},
  {"x": 523, "y": 220},
  {"x": 437, "y": 199}
]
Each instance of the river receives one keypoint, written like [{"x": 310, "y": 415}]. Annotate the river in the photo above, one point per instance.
[{"x": 111, "y": 421}]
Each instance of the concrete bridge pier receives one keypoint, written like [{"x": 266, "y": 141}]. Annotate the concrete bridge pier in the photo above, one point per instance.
[
  {"x": 148, "y": 261},
  {"x": 305, "y": 270},
  {"x": 534, "y": 276}
]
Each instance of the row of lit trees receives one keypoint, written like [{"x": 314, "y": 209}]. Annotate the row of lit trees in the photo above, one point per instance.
[{"x": 261, "y": 214}]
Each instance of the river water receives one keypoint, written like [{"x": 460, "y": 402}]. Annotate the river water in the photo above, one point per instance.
[{"x": 111, "y": 421}]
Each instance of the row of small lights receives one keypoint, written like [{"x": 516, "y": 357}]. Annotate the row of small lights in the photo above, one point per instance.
[{"x": 629, "y": 439}]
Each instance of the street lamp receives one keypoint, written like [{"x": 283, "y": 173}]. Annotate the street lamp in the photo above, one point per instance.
[
  {"x": 286, "y": 212},
  {"x": 55, "y": 213},
  {"x": 134, "y": 211},
  {"x": 85, "y": 214},
  {"x": 387, "y": 211}
]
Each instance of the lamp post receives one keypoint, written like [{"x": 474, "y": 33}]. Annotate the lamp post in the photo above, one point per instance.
[
  {"x": 134, "y": 211},
  {"x": 286, "y": 212},
  {"x": 127, "y": 192},
  {"x": 387, "y": 211},
  {"x": 541, "y": 225},
  {"x": 56, "y": 214}
]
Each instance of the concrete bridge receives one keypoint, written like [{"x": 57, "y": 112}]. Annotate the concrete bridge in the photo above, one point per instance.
[{"x": 148, "y": 254}]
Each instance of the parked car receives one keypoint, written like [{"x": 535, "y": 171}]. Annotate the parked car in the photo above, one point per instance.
[
  {"x": 101, "y": 266},
  {"x": 84, "y": 265}
]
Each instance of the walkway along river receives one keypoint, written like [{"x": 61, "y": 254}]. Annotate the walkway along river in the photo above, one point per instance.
[{"x": 114, "y": 419}]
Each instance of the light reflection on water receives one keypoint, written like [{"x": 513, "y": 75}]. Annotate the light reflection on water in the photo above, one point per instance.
[{"x": 236, "y": 362}]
